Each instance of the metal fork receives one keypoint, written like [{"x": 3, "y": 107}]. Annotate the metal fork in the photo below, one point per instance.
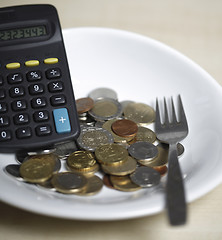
[{"x": 171, "y": 132}]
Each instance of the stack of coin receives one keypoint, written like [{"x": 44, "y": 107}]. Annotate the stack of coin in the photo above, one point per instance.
[{"x": 116, "y": 144}]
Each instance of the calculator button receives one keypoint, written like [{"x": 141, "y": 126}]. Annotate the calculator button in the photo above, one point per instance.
[
  {"x": 13, "y": 65},
  {"x": 61, "y": 119},
  {"x": 4, "y": 121},
  {"x": 14, "y": 78},
  {"x": 2, "y": 93},
  {"x": 36, "y": 89},
  {"x": 38, "y": 102},
  {"x": 3, "y": 107},
  {"x": 31, "y": 63},
  {"x": 58, "y": 100},
  {"x": 21, "y": 118},
  {"x": 16, "y": 92},
  {"x": 1, "y": 80},
  {"x": 53, "y": 73},
  {"x": 43, "y": 130},
  {"x": 34, "y": 76},
  {"x": 51, "y": 60},
  {"x": 5, "y": 135},
  {"x": 25, "y": 132},
  {"x": 55, "y": 86},
  {"x": 19, "y": 105},
  {"x": 41, "y": 116}
]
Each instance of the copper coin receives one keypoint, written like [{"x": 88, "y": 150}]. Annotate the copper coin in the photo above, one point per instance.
[
  {"x": 125, "y": 128},
  {"x": 84, "y": 104},
  {"x": 107, "y": 182},
  {"x": 161, "y": 169}
]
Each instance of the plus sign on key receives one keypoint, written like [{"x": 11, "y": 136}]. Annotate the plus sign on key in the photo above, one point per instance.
[{"x": 61, "y": 118}]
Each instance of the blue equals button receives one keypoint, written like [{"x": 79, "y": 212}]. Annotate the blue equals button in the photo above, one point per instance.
[{"x": 61, "y": 118}]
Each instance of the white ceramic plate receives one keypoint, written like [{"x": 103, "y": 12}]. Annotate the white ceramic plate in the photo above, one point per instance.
[{"x": 139, "y": 69}]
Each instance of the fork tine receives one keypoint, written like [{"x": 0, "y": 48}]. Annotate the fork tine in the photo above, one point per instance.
[
  {"x": 174, "y": 118},
  {"x": 166, "y": 120},
  {"x": 182, "y": 113},
  {"x": 158, "y": 122}
]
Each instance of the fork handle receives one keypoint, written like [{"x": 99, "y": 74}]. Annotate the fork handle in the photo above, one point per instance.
[{"x": 175, "y": 194}]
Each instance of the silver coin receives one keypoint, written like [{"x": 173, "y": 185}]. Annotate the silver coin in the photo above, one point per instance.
[
  {"x": 63, "y": 150},
  {"x": 47, "y": 185},
  {"x": 13, "y": 170},
  {"x": 20, "y": 156},
  {"x": 143, "y": 150},
  {"x": 68, "y": 182},
  {"x": 41, "y": 151},
  {"x": 125, "y": 103},
  {"x": 99, "y": 93},
  {"x": 145, "y": 177},
  {"x": 57, "y": 165},
  {"x": 87, "y": 120},
  {"x": 99, "y": 124},
  {"x": 105, "y": 109},
  {"x": 92, "y": 137}
]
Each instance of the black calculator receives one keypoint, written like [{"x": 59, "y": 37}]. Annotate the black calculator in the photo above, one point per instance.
[{"x": 37, "y": 104}]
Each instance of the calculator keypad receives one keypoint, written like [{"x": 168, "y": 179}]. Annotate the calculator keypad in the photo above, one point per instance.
[{"x": 37, "y": 102}]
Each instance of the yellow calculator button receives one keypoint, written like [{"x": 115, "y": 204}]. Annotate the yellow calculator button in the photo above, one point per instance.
[
  {"x": 51, "y": 60},
  {"x": 31, "y": 63},
  {"x": 13, "y": 65}
]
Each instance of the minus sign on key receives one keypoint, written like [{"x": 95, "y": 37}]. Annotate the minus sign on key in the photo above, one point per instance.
[{"x": 61, "y": 118}]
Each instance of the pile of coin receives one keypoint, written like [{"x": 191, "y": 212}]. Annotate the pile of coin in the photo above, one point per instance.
[{"x": 116, "y": 148}]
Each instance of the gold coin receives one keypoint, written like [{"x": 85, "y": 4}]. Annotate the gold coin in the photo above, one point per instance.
[
  {"x": 69, "y": 182},
  {"x": 160, "y": 160},
  {"x": 145, "y": 135},
  {"x": 81, "y": 161},
  {"x": 93, "y": 186},
  {"x": 107, "y": 182},
  {"x": 90, "y": 138},
  {"x": 124, "y": 183},
  {"x": 108, "y": 126},
  {"x": 39, "y": 168},
  {"x": 121, "y": 169},
  {"x": 89, "y": 171},
  {"x": 111, "y": 154},
  {"x": 140, "y": 113}
]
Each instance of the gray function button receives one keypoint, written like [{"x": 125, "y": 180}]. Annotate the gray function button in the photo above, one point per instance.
[
  {"x": 55, "y": 86},
  {"x": 14, "y": 78},
  {"x": 53, "y": 73},
  {"x": 58, "y": 100},
  {"x": 43, "y": 130},
  {"x": 34, "y": 76}
]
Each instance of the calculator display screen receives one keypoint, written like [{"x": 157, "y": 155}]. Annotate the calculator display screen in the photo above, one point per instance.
[{"x": 23, "y": 33}]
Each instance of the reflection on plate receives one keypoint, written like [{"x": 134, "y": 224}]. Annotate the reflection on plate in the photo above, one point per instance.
[{"x": 139, "y": 69}]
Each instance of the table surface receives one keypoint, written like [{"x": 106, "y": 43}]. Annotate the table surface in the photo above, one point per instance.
[{"x": 193, "y": 28}]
